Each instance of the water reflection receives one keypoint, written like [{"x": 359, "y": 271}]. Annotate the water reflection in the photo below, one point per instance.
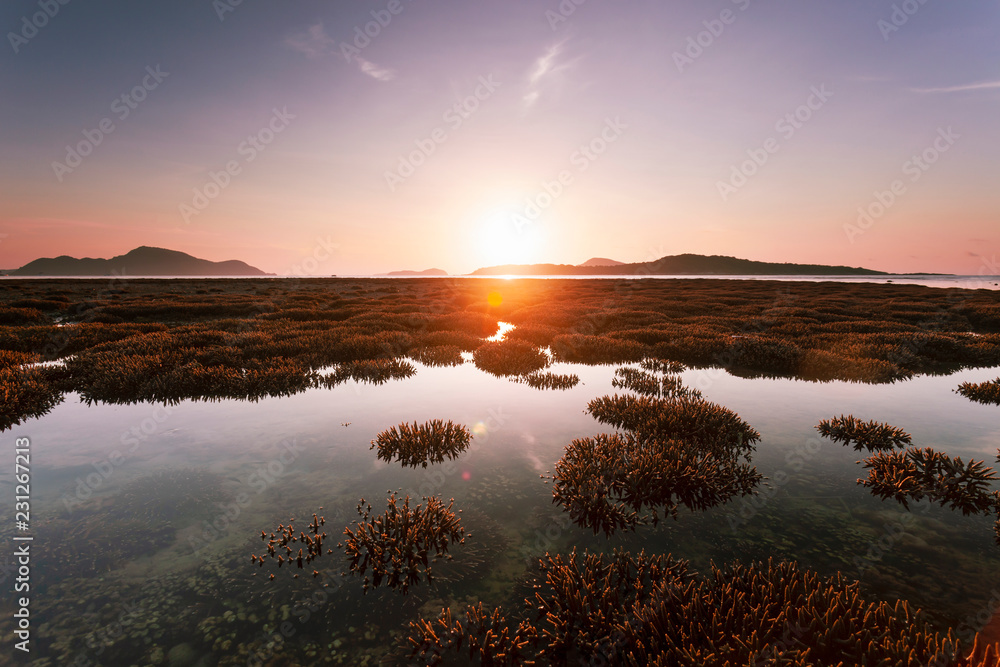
[{"x": 161, "y": 506}]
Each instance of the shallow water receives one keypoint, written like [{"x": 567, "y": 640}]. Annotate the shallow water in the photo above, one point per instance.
[{"x": 145, "y": 516}]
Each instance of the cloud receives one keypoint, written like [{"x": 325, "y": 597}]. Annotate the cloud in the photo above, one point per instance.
[
  {"x": 986, "y": 85},
  {"x": 545, "y": 67},
  {"x": 373, "y": 70},
  {"x": 313, "y": 43},
  {"x": 546, "y": 63}
]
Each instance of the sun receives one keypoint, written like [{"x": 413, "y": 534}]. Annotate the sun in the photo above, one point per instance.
[{"x": 506, "y": 237}]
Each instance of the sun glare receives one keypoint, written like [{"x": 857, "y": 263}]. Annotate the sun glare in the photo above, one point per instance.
[{"x": 508, "y": 238}]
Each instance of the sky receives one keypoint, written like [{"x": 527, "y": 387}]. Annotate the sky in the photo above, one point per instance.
[{"x": 308, "y": 137}]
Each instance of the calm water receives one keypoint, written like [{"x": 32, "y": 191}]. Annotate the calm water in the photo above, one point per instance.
[
  {"x": 145, "y": 516},
  {"x": 991, "y": 282}
]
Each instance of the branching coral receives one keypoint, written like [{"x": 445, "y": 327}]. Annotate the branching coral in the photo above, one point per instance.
[
  {"x": 981, "y": 392},
  {"x": 540, "y": 380},
  {"x": 648, "y": 384},
  {"x": 640, "y": 610},
  {"x": 396, "y": 547},
  {"x": 925, "y": 473},
  {"x": 509, "y": 357},
  {"x": 606, "y": 482},
  {"x": 687, "y": 419},
  {"x": 871, "y": 435},
  {"x": 421, "y": 444}
]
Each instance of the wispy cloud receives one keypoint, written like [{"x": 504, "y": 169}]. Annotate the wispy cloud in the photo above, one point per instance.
[
  {"x": 373, "y": 70},
  {"x": 543, "y": 69},
  {"x": 986, "y": 85},
  {"x": 315, "y": 43}
]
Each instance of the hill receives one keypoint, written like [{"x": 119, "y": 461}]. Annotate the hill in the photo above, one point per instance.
[
  {"x": 141, "y": 262},
  {"x": 687, "y": 264},
  {"x": 601, "y": 261},
  {"x": 426, "y": 272}
]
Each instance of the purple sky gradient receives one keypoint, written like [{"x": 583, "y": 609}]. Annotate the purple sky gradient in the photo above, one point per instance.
[{"x": 466, "y": 134}]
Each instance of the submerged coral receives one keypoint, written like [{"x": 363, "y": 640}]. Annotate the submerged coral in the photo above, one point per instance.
[
  {"x": 438, "y": 355},
  {"x": 640, "y": 610},
  {"x": 372, "y": 371},
  {"x": 871, "y": 435},
  {"x": 25, "y": 392},
  {"x": 648, "y": 384},
  {"x": 421, "y": 444},
  {"x": 925, "y": 473},
  {"x": 540, "y": 380},
  {"x": 687, "y": 419},
  {"x": 606, "y": 482},
  {"x": 397, "y": 546},
  {"x": 678, "y": 452},
  {"x": 509, "y": 357},
  {"x": 168, "y": 495},
  {"x": 981, "y": 392}
]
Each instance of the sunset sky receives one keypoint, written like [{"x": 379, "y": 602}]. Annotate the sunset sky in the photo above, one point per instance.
[{"x": 466, "y": 134}]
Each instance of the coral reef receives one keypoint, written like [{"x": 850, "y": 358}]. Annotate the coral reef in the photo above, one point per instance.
[
  {"x": 606, "y": 482},
  {"x": 540, "y": 380},
  {"x": 438, "y": 355},
  {"x": 25, "y": 392},
  {"x": 688, "y": 419},
  {"x": 871, "y": 435},
  {"x": 981, "y": 392},
  {"x": 679, "y": 451},
  {"x": 397, "y": 546},
  {"x": 648, "y": 384},
  {"x": 925, "y": 473},
  {"x": 372, "y": 371},
  {"x": 509, "y": 357},
  {"x": 640, "y": 610},
  {"x": 421, "y": 444}
]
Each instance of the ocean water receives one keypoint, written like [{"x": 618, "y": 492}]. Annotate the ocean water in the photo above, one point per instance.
[
  {"x": 990, "y": 282},
  {"x": 145, "y": 516}
]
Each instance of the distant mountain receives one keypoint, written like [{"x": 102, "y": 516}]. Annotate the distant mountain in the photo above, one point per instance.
[
  {"x": 427, "y": 272},
  {"x": 601, "y": 261},
  {"x": 141, "y": 262},
  {"x": 687, "y": 264}
]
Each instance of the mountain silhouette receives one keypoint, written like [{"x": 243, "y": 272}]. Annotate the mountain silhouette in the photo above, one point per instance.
[
  {"x": 601, "y": 261},
  {"x": 141, "y": 262},
  {"x": 686, "y": 264}
]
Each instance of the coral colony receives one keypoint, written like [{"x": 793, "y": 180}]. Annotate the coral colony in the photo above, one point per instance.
[
  {"x": 421, "y": 444},
  {"x": 641, "y": 609},
  {"x": 981, "y": 392},
  {"x": 871, "y": 435},
  {"x": 213, "y": 340},
  {"x": 676, "y": 451},
  {"x": 916, "y": 474},
  {"x": 672, "y": 448}
]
